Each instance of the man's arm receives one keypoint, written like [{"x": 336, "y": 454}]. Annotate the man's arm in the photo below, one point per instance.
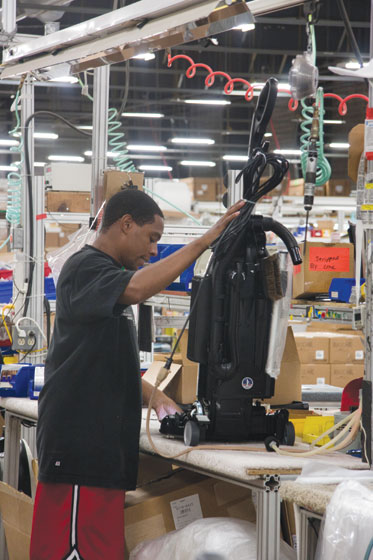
[
  {"x": 162, "y": 404},
  {"x": 150, "y": 280}
]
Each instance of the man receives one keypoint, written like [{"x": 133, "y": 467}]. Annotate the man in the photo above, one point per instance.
[{"x": 90, "y": 405}]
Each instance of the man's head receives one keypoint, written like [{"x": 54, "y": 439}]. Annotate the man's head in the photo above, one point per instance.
[{"x": 134, "y": 224}]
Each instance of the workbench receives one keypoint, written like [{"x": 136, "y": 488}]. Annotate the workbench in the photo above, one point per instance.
[{"x": 258, "y": 470}]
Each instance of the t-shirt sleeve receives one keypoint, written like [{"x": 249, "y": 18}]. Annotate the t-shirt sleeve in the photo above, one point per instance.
[{"x": 94, "y": 290}]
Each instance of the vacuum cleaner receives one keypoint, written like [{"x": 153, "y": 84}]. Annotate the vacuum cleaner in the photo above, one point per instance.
[{"x": 235, "y": 312}]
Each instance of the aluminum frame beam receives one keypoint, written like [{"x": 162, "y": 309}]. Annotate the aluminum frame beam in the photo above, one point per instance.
[{"x": 141, "y": 28}]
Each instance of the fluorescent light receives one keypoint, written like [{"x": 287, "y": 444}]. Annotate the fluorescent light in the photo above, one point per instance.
[
  {"x": 8, "y": 168},
  {"x": 339, "y": 145},
  {"x": 36, "y": 163},
  {"x": 155, "y": 168},
  {"x": 86, "y": 127},
  {"x": 267, "y": 134},
  {"x": 145, "y": 56},
  {"x": 88, "y": 153},
  {"x": 42, "y": 135},
  {"x": 207, "y": 101},
  {"x": 207, "y": 141},
  {"x": 76, "y": 159},
  {"x": 197, "y": 163},
  {"x": 354, "y": 65},
  {"x": 232, "y": 157},
  {"x": 65, "y": 80},
  {"x": 144, "y": 115},
  {"x": 332, "y": 121},
  {"x": 288, "y": 152},
  {"x": 146, "y": 148},
  {"x": 6, "y": 142},
  {"x": 245, "y": 27}
]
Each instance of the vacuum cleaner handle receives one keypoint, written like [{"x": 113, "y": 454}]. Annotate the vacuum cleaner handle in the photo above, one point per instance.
[
  {"x": 262, "y": 114},
  {"x": 287, "y": 237}
]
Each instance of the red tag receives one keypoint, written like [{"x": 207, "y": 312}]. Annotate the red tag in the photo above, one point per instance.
[
  {"x": 41, "y": 216},
  {"x": 333, "y": 259}
]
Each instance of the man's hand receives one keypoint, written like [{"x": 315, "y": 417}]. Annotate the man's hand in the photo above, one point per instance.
[
  {"x": 162, "y": 404},
  {"x": 222, "y": 223}
]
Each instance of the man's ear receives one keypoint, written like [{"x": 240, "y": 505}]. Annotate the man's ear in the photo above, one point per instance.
[{"x": 126, "y": 223}]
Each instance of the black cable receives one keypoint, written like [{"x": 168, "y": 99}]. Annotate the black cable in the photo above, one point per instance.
[
  {"x": 47, "y": 308},
  {"x": 29, "y": 189}
]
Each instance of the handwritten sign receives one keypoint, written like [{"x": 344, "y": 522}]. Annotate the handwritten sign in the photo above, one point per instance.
[{"x": 329, "y": 259}]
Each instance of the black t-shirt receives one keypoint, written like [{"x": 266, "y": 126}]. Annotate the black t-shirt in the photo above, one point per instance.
[{"x": 90, "y": 405}]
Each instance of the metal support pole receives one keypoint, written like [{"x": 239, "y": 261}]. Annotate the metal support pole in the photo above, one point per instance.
[
  {"x": 268, "y": 520},
  {"x": 8, "y": 17},
  {"x": 99, "y": 134},
  {"x": 235, "y": 190},
  {"x": 369, "y": 266},
  {"x": 37, "y": 292},
  {"x": 21, "y": 271}
]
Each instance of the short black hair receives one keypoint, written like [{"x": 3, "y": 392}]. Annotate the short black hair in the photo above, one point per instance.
[{"x": 130, "y": 201}]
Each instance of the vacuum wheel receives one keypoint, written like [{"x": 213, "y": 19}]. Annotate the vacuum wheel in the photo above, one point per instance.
[
  {"x": 289, "y": 434},
  {"x": 269, "y": 440},
  {"x": 191, "y": 433}
]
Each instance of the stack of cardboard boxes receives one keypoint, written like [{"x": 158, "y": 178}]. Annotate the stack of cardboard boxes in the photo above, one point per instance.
[
  {"x": 205, "y": 189},
  {"x": 330, "y": 358}
]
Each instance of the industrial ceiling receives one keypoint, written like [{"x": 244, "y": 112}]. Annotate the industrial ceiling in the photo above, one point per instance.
[{"x": 151, "y": 86}]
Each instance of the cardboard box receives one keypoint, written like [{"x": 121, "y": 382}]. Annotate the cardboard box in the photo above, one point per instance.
[
  {"x": 175, "y": 502},
  {"x": 322, "y": 263},
  {"x": 67, "y": 201},
  {"x": 52, "y": 239},
  {"x": 338, "y": 187},
  {"x": 180, "y": 384},
  {"x": 341, "y": 374},
  {"x": 16, "y": 514},
  {"x": 115, "y": 181},
  {"x": 346, "y": 349},
  {"x": 313, "y": 374},
  {"x": 288, "y": 385},
  {"x": 296, "y": 187},
  {"x": 313, "y": 348},
  {"x": 356, "y": 141},
  {"x": 203, "y": 188},
  {"x": 65, "y": 231}
]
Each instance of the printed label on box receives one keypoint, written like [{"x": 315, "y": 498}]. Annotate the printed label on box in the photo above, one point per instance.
[
  {"x": 320, "y": 381},
  {"x": 186, "y": 510},
  {"x": 319, "y": 354},
  {"x": 335, "y": 259},
  {"x": 359, "y": 354},
  {"x": 335, "y": 294}
]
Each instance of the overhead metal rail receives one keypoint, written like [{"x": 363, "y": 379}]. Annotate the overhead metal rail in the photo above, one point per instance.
[{"x": 123, "y": 33}]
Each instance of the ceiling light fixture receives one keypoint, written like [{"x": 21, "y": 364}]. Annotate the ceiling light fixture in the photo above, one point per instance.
[
  {"x": 206, "y": 141},
  {"x": 234, "y": 157},
  {"x": 36, "y": 163},
  {"x": 6, "y": 142},
  {"x": 76, "y": 159},
  {"x": 65, "y": 80},
  {"x": 288, "y": 152},
  {"x": 197, "y": 163},
  {"x": 41, "y": 135},
  {"x": 146, "y": 148},
  {"x": 333, "y": 121},
  {"x": 207, "y": 101},
  {"x": 339, "y": 145},
  {"x": 144, "y": 115},
  {"x": 245, "y": 27},
  {"x": 86, "y": 127},
  {"x": 145, "y": 56},
  {"x": 8, "y": 168},
  {"x": 155, "y": 168},
  {"x": 354, "y": 65},
  {"x": 267, "y": 134}
]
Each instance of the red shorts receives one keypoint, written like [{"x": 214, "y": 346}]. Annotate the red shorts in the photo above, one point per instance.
[{"x": 77, "y": 522}]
